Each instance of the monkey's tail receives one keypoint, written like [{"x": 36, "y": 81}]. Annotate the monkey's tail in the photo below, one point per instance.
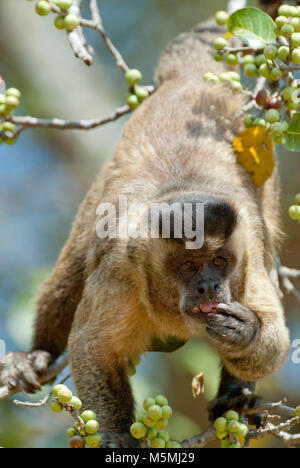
[{"x": 192, "y": 53}]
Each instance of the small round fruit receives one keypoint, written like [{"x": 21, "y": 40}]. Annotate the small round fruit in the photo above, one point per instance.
[
  {"x": 42, "y": 8},
  {"x": 211, "y": 77},
  {"x": 93, "y": 441},
  {"x": 133, "y": 77},
  {"x": 220, "y": 43},
  {"x": 149, "y": 422},
  {"x": 71, "y": 22},
  {"x": 88, "y": 415},
  {"x": 260, "y": 59},
  {"x": 290, "y": 94},
  {"x": 232, "y": 60},
  {"x": 12, "y": 102},
  {"x": 248, "y": 122},
  {"x": 10, "y": 141},
  {"x": 155, "y": 412},
  {"x": 295, "y": 22},
  {"x": 296, "y": 39},
  {"x": 138, "y": 430},
  {"x": 231, "y": 415},
  {"x": 262, "y": 97},
  {"x": 270, "y": 52},
  {"x": 218, "y": 57},
  {"x": 152, "y": 433},
  {"x": 77, "y": 442},
  {"x": 272, "y": 116},
  {"x": 63, "y": 4},
  {"x": 283, "y": 53},
  {"x": 292, "y": 106},
  {"x": 287, "y": 31},
  {"x": 225, "y": 444},
  {"x": 132, "y": 102},
  {"x": 171, "y": 444},
  {"x": 58, "y": 387},
  {"x": 92, "y": 427},
  {"x": 141, "y": 93},
  {"x": 285, "y": 10},
  {"x": 297, "y": 200},
  {"x": 13, "y": 92},
  {"x": 234, "y": 76},
  {"x": 294, "y": 212},
  {"x": 59, "y": 22},
  {"x": 76, "y": 403},
  {"x": 164, "y": 435},
  {"x": 158, "y": 443},
  {"x": 236, "y": 86},
  {"x": 248, "y": 59},
  {"x": 166, "y": 412},
  {"x": 298, "y": 411},
  {"x": 161, "y": 424},
  {"x": 221, "y": 435},
  {"x": 233, "y": 426},
  {"x": 250, "y": 70},
  {"x": 161, "y": 400},
  {"x": 7, "y": 127},
  {"x": 296, "y": 56},
  {"x": 275, "y": 74},
  {"x": 281, "y": 21},
  {"x": 279, "y": 127},
  {"x": 264, "y": 70},
  {"x": 279, "y": 140},
  {"x": 221, "y": 17},
  {"x": 64, "y": 395},
  {"x": 241, "y": 431},
  {"x": 274, "y": 103},
  {"x": 225, "y": 77},
  {"x": 221, "y": 424},
  {"x": 148, "y": 402},
  {"x": 56, "y": 407},
  {"x": 71, "y": 432}
]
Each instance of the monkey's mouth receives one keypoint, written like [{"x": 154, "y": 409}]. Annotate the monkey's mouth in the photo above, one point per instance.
[{"x": 205, "y": 308}]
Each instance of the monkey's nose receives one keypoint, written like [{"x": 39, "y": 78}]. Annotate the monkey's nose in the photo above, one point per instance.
[{"x": 210, "y": 288}]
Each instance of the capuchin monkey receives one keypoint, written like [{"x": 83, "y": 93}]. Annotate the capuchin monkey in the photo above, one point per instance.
[{"x": 110, "y": 300}]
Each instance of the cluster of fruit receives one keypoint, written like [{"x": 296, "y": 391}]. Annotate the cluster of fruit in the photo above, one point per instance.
[
  {"x": 132, "y": 364},
  {"x": 151, "y": 424},
  {"x": 8, "y": 102},
  {"x": 295, "y": 214},
  {"x": 68, "y": 21},
  {"x": 136, "y": 94},
  {"x": 229, "y": 429},
  {"x": 275, "y": 62},
  {"x": 85, "y": 431}
]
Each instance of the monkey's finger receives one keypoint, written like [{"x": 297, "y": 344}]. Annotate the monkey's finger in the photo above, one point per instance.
[{"x": 27, "y": 378}]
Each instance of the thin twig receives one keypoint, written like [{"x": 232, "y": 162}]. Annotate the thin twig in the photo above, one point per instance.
[{"x": 43, "y": 402}]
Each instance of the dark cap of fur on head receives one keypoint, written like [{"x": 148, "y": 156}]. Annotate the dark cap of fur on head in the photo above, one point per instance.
[{"x": 220, "y": 218}]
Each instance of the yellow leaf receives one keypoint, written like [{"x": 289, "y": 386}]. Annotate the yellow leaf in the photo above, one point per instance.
[{"x": 254, "y": 150}]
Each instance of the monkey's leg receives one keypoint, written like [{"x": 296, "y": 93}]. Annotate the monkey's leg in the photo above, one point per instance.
[{"x": 235, "y": 394}]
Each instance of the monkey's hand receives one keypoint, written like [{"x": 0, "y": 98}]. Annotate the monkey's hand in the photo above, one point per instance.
[
  {"x": 232, "y": 327},
  {"x": 240, "y": 403},
  {"x": 119, "y": 440},
  {"x": 22, "y": 370}
]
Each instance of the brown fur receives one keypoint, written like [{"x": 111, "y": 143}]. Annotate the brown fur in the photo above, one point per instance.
[{"x": 123, "y": 293}]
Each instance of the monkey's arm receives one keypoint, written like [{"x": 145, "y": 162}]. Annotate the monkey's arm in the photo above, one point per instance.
[{"x": 107, "y": 331}]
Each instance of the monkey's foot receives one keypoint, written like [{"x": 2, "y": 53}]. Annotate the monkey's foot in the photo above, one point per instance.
[
  {"x": 286, "y": 275},
  {"x": 119, "y": 440},
  {"x": 22, "y": 370},
  {"x": 240, "y": 403}
]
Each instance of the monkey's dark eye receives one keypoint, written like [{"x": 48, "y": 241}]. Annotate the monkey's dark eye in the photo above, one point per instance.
[
  {"x": 187, "y": 267},
  {"x": 219, "y": 262}
]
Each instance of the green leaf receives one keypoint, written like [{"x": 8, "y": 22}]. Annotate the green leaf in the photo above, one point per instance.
[
  {"x": 292, "y": 140},
  {"x": 253, "y": 27}
]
